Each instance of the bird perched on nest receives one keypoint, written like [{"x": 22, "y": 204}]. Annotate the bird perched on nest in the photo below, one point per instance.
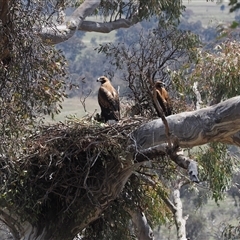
[
  {"x": 163, "y": 98},
  {"x": 108, "y": 100}
]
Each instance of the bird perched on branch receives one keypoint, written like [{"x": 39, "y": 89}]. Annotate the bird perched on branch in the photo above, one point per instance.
[
  {"x": 108, "y": 100},
  {"x": 163, "y": 98}
]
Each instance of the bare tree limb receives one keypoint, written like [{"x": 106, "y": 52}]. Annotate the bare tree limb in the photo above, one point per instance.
[
  {"x": 175, "y": 154},
  {"x": 62, "y": 33},
  {"x": 83, "y": 11},
  {"x": 180, "y": 221},
  {"x": 56, "y": 35},
  {"x": 183, "y": 161},
  {"x": 217, "y": 123},
  {"x": 198, "y": 95}
]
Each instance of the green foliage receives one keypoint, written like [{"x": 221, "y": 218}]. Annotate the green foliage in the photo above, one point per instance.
[
  {"x": 231, "y": 232},
  {"x": 114, "y": 10},
  {"x": 216, "y": 169},
  {"x": 32, "y": 77},
  {"x": 115, "y": 222},
  {"x": 144, "y": 191},
  {"x": 112, "y": 225},
  {"x": 147, "y": 191},
  {"x": 216, "y": 71},
  {"x": 234, "y": 25},
  {"x": 234, "y": 5},
  {"x": 82, "y": 158},
  {"x": 154, "y": 200},
  {"x": 142, "y": 10}
]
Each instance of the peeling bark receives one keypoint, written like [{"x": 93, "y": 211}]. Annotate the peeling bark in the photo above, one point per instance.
[
  {"x": 63, "y": 32},
  {"x": 83, "y": 11},
  {"x": 21, "y": 230},
  {"x": 217, "y": 123},
  {"x": 198, "y": 95},
  {"x": 175, "y": 154},
  {"x": 12, "y": 223},
  {"x": 77, "y": 21},
  {"x": 180, "y": 221}
]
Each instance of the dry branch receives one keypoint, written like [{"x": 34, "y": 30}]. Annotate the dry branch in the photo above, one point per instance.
[
  {"x": 82, "y": 163},
  {"x": 79, "y": 163},
  {"x": 217, "y": 123}
]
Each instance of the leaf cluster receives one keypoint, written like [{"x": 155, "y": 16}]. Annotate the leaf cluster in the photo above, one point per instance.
[
  {"x": 216, "y": 169},
  {"x": 231, "y": 232},
  {"x": 234, "y": 5},
  {"x": 32, "y": 75},
  {"x": 140, "y": 9},
  {"x": 216, "y": 71}
]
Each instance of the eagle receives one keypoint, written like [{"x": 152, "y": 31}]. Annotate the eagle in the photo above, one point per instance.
[
  {"x": 163, "y": 98},
  {"x": 108, "y": 100}
]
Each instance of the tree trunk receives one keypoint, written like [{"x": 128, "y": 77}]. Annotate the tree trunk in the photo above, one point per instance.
[
  {"x": 180, "y": 221},
  {"x": 5, "y": 26},
  {"x": 142, "y": 229}
]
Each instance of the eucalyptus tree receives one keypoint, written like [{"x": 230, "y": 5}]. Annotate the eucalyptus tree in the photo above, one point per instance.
[
  {"x": 33, "y": 72},
  {"x": 86, "y": 178}
]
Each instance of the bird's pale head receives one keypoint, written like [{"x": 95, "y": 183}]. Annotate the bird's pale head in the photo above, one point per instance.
[
  {"x": 103, "y": 79},
  {"x": 159, "y": 84}
]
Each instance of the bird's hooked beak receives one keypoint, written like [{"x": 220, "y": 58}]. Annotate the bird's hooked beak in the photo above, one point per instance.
[
  {"x": 100, "y": 79},
  {"x": 160, "y": 84}
]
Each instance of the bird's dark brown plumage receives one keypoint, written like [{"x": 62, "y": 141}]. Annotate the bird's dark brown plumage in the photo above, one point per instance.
[
  {"x": 108, "y": 100},
  {"x": 163, "y": 98}
]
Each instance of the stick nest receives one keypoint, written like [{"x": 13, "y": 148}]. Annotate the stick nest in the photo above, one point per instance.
[{"x": 64, "y": 166}]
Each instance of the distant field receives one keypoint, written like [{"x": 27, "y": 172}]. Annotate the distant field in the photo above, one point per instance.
[
  {"x": 100, "y": 37},
  {"x": 209, "y": 12},
  {"x": 73, "y": 106}
]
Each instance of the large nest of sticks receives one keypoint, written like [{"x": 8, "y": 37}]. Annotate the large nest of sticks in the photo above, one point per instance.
[{"x": 65, "y": 166}]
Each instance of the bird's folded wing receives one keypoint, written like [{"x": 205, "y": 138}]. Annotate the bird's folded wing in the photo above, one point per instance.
[{"x": 108, "y": 99}]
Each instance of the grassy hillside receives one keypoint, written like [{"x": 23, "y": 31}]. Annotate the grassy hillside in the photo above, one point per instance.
[
  {"x": 209, "y": 12},
  {"x": 74, "y": 107}
]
